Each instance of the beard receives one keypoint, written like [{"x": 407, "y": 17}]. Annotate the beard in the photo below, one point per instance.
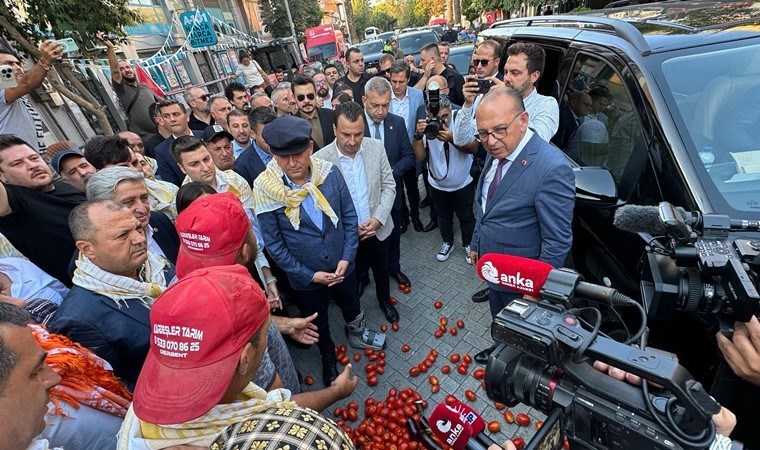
[{"x": 322, "y": 92}]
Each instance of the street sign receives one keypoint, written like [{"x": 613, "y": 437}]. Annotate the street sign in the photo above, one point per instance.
[{"x": 198, "y": 28}]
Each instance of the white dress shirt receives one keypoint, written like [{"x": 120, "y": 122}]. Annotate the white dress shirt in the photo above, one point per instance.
[
  {"x": 153, "y": 246},
  {"x": 400, "y": 107},
  {"x": 491, "y": 173},
  {"x": 356, "y": 180}
]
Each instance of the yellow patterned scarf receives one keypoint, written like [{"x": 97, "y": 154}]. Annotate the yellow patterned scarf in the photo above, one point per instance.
[
  {"x": 120, "y": 288},
  {"x": 7, "y": 249},
  {"x": 234, "y": 184},
  {"x": 202, "y": 431},
  {"x": 161, "y": 196},
  {"x": 270, "y": 192}
]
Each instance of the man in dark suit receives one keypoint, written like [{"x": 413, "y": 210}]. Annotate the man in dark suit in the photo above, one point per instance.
[
  {"x": 255, "y": 158},
  {"x": 176, "y": 119},
  {"x": 525, "y": 194},
  {"x": 321, "y": 119},
  {"x": 391, "y": 130},
  {"x": 310, "y": 226},
  {"x": 116, "y": 280},
  {"x": 571, "y": 115}
]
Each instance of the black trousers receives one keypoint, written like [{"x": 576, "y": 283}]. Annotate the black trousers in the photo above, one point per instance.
[
  {"x": 497, "y": 300},
  {"x": 459, "y": 202},
  {"x": 394, "y": 243},
  {"x": 318, "y": 300},
  {"x": 373, "y": 254},
  {"x": 409, "y": 183}
]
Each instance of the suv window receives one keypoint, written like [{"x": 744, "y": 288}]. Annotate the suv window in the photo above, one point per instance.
[{"x": 598, "y": 125}]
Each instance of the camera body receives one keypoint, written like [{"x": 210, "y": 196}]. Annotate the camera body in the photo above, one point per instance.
[
  {"x": 534, "y": 365},
  {"x": 710, "y": 273},
  {"x": 484, "y": 85},
  {"x": 433, "y": 123}
]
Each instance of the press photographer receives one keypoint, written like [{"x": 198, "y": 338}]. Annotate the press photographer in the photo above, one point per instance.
[{"x": 451, "y": 185}]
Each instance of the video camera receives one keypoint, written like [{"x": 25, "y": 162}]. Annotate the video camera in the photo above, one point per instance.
[
  {"x": 540, "y": 361},
  {"x": 434, "y": 124},
  {"x": 701, "y": 269}
]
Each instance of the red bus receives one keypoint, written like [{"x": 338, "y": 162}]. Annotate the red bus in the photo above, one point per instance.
[{"x": 324, "y": 40}]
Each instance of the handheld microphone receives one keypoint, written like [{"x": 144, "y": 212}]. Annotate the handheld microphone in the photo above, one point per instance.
[
  {"x": 646, "y": 219},
  {"x": 447, "y": 425},
  {"x": 533, "y": 277},
  {"x": 476, "y": 422}
]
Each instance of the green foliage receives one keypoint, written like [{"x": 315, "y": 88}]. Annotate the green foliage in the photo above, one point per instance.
[
  {"x": 80, "y": 20},
  {"x": 305, "y": 13},
  {"x": 580, "y": 8},
  {"x": 470, "y": 10}
]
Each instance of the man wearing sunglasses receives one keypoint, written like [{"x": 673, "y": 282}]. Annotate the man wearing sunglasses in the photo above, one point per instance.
[
  {"x": 524, "y": 196},
  {"x": 197, "y": 99},
  {"x": 321, "y": 119}
]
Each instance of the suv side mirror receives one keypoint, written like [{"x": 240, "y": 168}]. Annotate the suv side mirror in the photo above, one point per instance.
[{"x": 595, "y": 187}]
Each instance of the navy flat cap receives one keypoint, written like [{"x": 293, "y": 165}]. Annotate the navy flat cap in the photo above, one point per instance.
[{"x": 287, "y": 135}]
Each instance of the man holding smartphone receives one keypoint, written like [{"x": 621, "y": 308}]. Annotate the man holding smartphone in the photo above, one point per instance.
[{"x": 17, "y": 115}]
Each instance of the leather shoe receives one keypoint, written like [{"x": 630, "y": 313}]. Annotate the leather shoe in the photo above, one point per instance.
[
  {"x": 329, "y": 369},
  {"x": 390, "y": 311},
  {"x": 480, "y": 296},
  {"x": 401, "y": 279},
  {"x": 362, "y": 286},
  {"x": 425, "y": 202},
  {"x": 418, "y": 227},
  {"x": 482, "y": 357},
  {"x": 431, "y": 226}
]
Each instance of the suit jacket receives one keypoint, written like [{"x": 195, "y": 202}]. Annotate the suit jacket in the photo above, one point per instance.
[
  {"x": 121, "y": 336},
  {"x": 398, "y": 147},
  {"x": 567, "y": 127},
  {"x": 416, "y": 100},
  {"x": 380, "y": 184},
  {"x": 165, "y": 235},
  {"x": 309, "y": 249},
  {"x": 326, "y": 119},
  {"x": 168, "y": 170},
  {"x": 249, "y": 165},
  {"x": 530, "y": 214}
]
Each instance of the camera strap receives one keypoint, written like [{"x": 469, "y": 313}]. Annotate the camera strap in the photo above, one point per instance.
[{"x": 446, "y": 154}]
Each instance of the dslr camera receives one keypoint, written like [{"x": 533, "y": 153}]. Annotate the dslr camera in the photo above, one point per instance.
[
  {"x": 434, "y": 124},
  {"x": 541, "y": 361}
]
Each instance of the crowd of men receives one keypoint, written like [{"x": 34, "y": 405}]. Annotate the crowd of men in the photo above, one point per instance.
[{"x": 271, "y": 193}]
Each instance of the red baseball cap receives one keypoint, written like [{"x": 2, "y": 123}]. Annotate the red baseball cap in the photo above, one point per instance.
[
  {"x": 198, "y": 328},
  {"x": 211, "y": 231}
]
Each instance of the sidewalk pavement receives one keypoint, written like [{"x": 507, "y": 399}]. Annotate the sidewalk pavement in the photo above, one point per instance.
[{"x": 452, "y": 282}]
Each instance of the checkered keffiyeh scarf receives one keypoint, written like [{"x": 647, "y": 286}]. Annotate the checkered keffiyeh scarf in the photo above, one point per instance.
[
  {"x": 136, "y": 434},
  {"x": 119, "y": 288},
  {"x": 283, "y": 429},
  {"x": 270, "y": 192}
]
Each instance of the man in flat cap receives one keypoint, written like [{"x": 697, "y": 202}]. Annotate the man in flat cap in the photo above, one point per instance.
[{"x": 310, "y": 226}]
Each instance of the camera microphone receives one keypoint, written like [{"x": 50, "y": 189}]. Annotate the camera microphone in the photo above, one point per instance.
[
  {"x": 537, "y": 278},
  {"x": 476, "y": 422},
  {"x": 647, "y": 219},
  {"x": 447, "y": 425}
]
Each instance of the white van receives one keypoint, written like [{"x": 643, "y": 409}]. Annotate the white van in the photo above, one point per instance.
[{"x": 371, "y": 33}]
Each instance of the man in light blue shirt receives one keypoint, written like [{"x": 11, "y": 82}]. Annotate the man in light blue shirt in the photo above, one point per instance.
[{"x": 240, "y": 128}]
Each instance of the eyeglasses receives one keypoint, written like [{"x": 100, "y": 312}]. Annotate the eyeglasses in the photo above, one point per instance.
[
  {"x": 383, "y": 72},
  {"x": 300, "y": 97},
  {"x": 205, "y": 97},
  {"x": 498, "y": 133},
  {"x": 321, "y": 82},
  {"x": 481, "y": 62}
]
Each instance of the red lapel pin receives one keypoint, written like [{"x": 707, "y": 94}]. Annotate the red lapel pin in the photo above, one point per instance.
[{"x": 523, "y": 162}]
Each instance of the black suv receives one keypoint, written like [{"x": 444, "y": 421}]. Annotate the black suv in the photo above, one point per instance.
[{"x": 674, "y": 116}]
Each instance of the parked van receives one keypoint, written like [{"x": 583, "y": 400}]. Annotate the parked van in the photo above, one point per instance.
[{"x": 371, "y": 33}]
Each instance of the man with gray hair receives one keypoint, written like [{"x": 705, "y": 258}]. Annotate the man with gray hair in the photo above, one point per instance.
[
  {"x": 197, "y": 99},
  {"x": 283, "y": 100},
  {"x": 261, "y": 99},
  {"x": 391, "y": 130},
  {"x": 116, "y": 281},
  {"x": 127, "y": 187},
  {"x": 219, "y": 107}
]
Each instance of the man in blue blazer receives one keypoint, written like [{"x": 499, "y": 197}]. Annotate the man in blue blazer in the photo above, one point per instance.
[
  {"x": 405, "y": 102},
  {"x": 255, "y": 158},
  {"x": 177, "y": 119},
  {"x": 528, "y": 212},
  {"x": 391, "y": 129},
  {"x": 310, "y": 226}
]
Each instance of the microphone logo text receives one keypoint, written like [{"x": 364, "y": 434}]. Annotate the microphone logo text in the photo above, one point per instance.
[{"x": 516, "y": 281}]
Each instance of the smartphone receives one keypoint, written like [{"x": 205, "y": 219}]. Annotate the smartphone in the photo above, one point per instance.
[
  {"x": 7, "y": 77},
  {"x": 68, "y": 44},
  {"x": 549, "y": 436},
  {"x": 484, "y": 85}
]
